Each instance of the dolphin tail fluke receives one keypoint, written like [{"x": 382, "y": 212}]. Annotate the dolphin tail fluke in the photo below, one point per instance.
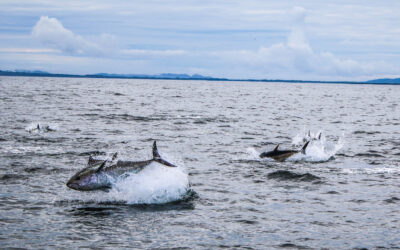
[
  {"x": 157, "y": 157},
  {"x": 303, "y": 149}
]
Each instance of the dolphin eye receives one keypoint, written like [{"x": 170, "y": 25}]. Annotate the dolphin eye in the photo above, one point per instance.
[{"x": 78, "y": 178}]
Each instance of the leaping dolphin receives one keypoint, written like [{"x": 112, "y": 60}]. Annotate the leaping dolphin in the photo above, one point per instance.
[
  {"x": 95, "y": 177},
  {"x": 282, "y": 155}
]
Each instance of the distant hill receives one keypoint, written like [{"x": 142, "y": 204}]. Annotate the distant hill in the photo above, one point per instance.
[
  {"x": 385, "y": 81},
  {"x": 169, "y": 76},
  {"x": 160, "y": 76},
  {"x": 106, "y": 75}
]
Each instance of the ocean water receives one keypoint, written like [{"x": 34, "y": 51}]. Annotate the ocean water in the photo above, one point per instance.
[{"x": 343, "y": 193}]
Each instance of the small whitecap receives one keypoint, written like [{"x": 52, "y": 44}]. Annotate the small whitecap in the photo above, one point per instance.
[{"x": 252, "y": 153}]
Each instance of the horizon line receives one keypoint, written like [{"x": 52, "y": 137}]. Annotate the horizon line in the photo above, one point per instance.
[{"x": 184, "y": 76}]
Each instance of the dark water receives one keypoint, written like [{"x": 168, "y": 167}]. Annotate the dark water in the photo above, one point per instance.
[{"x": 350, "y": 200}]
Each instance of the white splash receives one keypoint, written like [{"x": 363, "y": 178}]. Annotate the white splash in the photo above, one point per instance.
[
  {"x": 39, "y": 127},
  {"x": 252, "y": 153},
  {"x": 155, "y": 184},
  {"x": 318, "y": 150},
  {"x": 305, "y": 136}
]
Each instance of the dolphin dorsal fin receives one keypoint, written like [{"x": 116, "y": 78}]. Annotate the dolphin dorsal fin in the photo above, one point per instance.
[
  {"x": 319, "y": 137},
  {"x": 309, "y": 133},
  {"x": 114, "y": 156},
  {"x": 101, "y": 166},
  {"x": 276, "y": 148},
  {"x": 156, "y": 155},
  {"x": 90, "y": 160},
  {"x": 303, "y": 149}
]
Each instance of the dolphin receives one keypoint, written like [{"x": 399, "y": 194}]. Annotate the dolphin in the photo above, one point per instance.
[
  {"x": 40, "y": 128},
  {"x": 282, "y": 155},
  {"x": 95, "y": 177}
]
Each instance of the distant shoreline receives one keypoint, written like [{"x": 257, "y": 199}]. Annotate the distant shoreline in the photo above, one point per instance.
[{"x": 188, "y": 77}]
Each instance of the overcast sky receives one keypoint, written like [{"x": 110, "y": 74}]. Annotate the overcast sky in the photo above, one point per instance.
[{"x": 315, "y": 40}]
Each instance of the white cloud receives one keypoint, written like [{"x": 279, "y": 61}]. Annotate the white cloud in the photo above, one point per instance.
[
  {"x": 296, "y": 56},
  {"x": 139, "y": 52},
  {"x": 27, "y": 50},
  {"x": 51, "y": 32},
  {"x": 339, "y": 40}
]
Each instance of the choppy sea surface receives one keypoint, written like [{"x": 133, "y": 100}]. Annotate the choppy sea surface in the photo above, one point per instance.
[{"x": 343, "y": 193}]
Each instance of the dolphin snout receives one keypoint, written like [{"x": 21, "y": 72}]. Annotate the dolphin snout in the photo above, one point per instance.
[{"x": 72, "y": 185}]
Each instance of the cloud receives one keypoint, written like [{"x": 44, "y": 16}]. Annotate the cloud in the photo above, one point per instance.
[
  {"x": 268, "y": 39},
  {"x": 27, "y": 50},
  {"x": 139, "y": 52},
  {"x": 296, "y": 56},
  {"x": 51, "y": 32}
]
